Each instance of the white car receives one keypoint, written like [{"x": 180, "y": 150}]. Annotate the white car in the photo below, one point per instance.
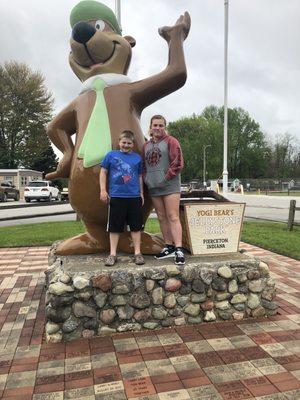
[{"x": 41, "y": 190}]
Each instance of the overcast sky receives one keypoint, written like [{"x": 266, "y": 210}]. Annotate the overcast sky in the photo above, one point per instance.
[{"x": 264, "y": 53}]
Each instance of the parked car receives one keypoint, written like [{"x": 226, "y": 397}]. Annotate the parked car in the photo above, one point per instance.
[
  {"x": 41, "y": 190},
  {"x": 8, "y": 191},
  {"x": 65, "y": 194}
]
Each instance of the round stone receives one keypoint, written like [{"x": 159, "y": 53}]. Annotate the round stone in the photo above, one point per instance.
[
  {"x": 140, "y": 300},
  {"x": 209, "y": 316},
  {"x": 179, "y": 321},
  {"x": 183, "y": 300},
  {"x": 242, "y": 278},
  {"x": 80, "y": 282},
  {"x": 253, "y": 274},
  {"x": 61, "y": 301},
  {"x": 82, "y": 310},
  {"x": 157, "y": 296},
  {"x": 117, "y": 300},
  {"x": 238, "y": 298},
  {"x": 125, "y": 312},
  {"x": 263, "y": 269},
  {"x": 220, "y": 296},
  {"x": 194, "y": 320},
  {"x": 207, "y": 305},
  {"x": 238, "y": 316},
  {"x": 219, "y": 284},
  {"x": 253, "y": 301},
  {"x": 120, "y": 289},
  {"x": 225, "y": 314},
  {"x": 268, "y": 294},
  {"x": 188, "y": 274},
  {"x": 232, "y": 286},
  {"x": 175, "y": 312},
  {"x": 60, "y": 288},
  {"x": 155, "y": 274},
  {"x": 70, "y": 324},
  {"x": 172, "y": 270},
  {"x": 239, "y": 306},
  {"x": 149, "y": 284},
  {"x": 222, "y": 305},
  {"x": 84, "y": 294},
  {"x": 54, "y": 338},
  {"x": 129, "y": 327},
  {"x": 225, "y": 272},
  {"x": 192, "y": 309},
  {"x": 206, "y": 275},
  {"x": 198, "y": 297},
  {"x": 159, "y": 313},
  {"x": 256, "y": 285},
  {"x": 87, "y": 334},
  {"x": 100, "y": 299},
  {"x": 167, "y": 322},
  {"x": 270, "y": 305},
  {"x": 64, "y": 278},
  {"x": 198, "y": 286},
  {"x": 102, "y": 282},
  {"x": 51, "y": 328},
  {"x": 172, "y": 285},
  {"x": 57, "y": 315},
  {"x": 107, "y": 316},
  {"x": 170, "y": 301},
  {"x": 258, "y": 312},
  {"x": 150, "y": 325},
  {"x": 106, "y": 330},
  {"x": 185, "y": 289},
  {"x": 91, "y": 324},
  {"x": 142, "y": 315}
]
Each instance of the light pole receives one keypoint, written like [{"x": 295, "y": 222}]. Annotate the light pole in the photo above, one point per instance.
[
  {"x": 118, "y": 11},
  {"x": 225, "y": 146},
  {"x": 204, "y": 163}
]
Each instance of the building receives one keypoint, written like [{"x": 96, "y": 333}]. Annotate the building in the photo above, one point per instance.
[{"x": 20, "y": 177}]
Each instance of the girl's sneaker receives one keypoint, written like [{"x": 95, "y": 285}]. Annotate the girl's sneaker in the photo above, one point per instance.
[
  {"x": 179, "y": 256},
  {"x": 167, "y": 251}
]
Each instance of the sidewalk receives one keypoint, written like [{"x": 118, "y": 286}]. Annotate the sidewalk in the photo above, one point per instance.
[{"x": 251, "y": 359}]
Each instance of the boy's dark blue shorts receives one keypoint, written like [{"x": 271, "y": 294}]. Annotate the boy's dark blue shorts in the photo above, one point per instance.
[{"x": 125, "y": 211}]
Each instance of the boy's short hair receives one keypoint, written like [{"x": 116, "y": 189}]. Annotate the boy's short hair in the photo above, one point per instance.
[{"x": 128, "y": 135}]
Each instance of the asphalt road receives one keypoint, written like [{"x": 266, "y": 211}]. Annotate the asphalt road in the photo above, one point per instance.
[{"x": 261, "y": 207}]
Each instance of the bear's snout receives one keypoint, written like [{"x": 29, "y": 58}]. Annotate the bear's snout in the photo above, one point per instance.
[{"x": 83, "y": 32}]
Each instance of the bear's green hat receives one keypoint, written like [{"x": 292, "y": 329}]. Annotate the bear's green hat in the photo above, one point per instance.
[{"x": 90, "y": 9}]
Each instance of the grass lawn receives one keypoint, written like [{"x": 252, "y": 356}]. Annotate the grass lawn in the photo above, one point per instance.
[{"x": 273, "y": 236}]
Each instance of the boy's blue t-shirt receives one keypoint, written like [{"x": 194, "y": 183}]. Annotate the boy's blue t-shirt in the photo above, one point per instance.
[{"x": 123, "y": 173}]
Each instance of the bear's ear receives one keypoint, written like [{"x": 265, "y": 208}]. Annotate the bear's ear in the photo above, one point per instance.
[{"x": 130, "y": 40}]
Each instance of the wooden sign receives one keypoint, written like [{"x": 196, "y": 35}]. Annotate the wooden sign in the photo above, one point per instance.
[{"x": 213, "y": 228}]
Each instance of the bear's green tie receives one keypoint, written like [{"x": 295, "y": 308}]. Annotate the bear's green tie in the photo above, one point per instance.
[{"x": 97, "y": 139}]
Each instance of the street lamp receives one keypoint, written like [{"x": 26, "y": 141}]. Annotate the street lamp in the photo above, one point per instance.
[
  {"x": 118, "y": 11},
  {"x": 204, "y": 163},
  {"x": 225, "y": 146}
]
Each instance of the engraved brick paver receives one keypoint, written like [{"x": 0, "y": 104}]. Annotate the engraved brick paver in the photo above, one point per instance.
[{"x": 250, "y": 359}]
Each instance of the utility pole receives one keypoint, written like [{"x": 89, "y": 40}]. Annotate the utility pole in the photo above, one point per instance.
[
  {"x": 204, "y": 163},
  {"x": 225, "y": 146},
  {"x": 118, "y": 11}
]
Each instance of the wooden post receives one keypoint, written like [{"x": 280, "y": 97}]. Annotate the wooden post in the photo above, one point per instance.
[{"x": 291, "y": 215}]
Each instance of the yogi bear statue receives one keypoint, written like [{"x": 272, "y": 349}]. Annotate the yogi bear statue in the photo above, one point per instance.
[{"x": 108, "y": 104}]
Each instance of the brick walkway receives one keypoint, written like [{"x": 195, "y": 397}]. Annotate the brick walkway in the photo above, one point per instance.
[{"x": 230, "y": 360}]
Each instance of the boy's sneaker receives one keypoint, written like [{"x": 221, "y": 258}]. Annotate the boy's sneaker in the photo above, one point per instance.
[
  {"x": 168, "y": 251},
  {"x": 179, "y": 257}
]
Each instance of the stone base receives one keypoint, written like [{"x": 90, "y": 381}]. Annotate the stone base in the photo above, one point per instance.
[{"x": 84, "y": 298}]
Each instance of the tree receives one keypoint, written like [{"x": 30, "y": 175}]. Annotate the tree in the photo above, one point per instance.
[
  {"x": 248, "y": 150},
  {"x": 25, "y": 109}
]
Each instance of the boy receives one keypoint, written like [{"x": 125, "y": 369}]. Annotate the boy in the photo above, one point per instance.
[{"x": 125, "y": 197}]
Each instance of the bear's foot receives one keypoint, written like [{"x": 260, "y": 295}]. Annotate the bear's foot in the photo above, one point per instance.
[
  {"x": 82, "y": 244},
  {"x": 150, "y": 244}
]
